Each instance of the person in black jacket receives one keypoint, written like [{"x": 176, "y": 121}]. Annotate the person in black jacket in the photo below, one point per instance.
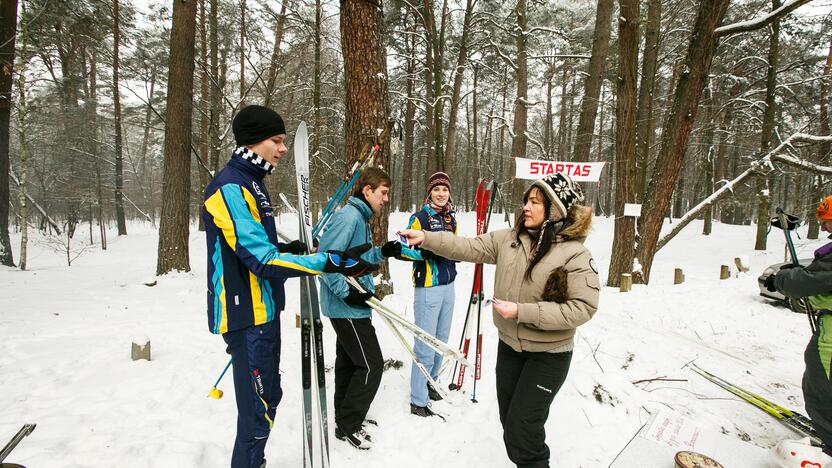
[{"x": 814, "y": 283}]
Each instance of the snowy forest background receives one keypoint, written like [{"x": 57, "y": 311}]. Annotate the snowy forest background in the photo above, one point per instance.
[{"x": 112, "y": 111}]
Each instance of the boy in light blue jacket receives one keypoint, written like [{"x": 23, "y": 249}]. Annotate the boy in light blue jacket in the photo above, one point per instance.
[{"x": 358, "y": 359}]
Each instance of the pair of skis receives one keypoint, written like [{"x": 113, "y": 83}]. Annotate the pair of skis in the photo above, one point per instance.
[
  {"x": 397, "y": 320},
  {"x": 311, "y": 327},
  {"x": 484, "y": 200},
  {"x": 789, "y": 418}
]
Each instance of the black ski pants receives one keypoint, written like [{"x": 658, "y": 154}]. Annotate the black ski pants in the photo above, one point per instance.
[
  {"x": 817, "y": 385},
  {"x": 526, "y": 386},
  {"x": 358, "y": 368}
]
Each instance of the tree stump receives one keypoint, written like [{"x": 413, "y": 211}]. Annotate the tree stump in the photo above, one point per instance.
[
  {"x": 742, "y": 267},
  {"x": 140, "y": 349},
  {"x": 678, "y": 276},
  {"x": 626, "y": 282},
  {"x": 724, "y": 272}
]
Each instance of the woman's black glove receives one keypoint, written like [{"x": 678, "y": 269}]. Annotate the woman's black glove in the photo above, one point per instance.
[
  {"x": 349, "y": 262},
  {"x": 357, "y": 298},
  {"x": 295, "y": 247},
  {"x": 392, "y": 249},
  {"x": 769, "y": 283}
]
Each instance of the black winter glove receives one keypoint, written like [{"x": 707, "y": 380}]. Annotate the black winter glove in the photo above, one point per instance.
[
  {"x": 349, "y": 262},
  {"x": 356, "y": 298},
  {"x": 295, "y": 247},
  {"x": 392, "y": 249},
  {"x": 769, "y": 283}
]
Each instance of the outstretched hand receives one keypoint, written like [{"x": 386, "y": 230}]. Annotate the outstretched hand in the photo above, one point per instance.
[{"x": 414, "y": 237}]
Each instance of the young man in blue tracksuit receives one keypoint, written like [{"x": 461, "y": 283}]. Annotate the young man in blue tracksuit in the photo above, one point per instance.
[
  {"x": 358, "y": 359},
  {"x": 246, "y": 271}
]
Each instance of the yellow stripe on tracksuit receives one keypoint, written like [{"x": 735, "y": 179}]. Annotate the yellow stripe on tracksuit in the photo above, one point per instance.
[
  {"x": 235, "y": 213},
  {"x": 215, "y": 205},
  {"x": 266, "y": 413},
  {"x": 260, "y": 314},
  {"x": 224, "y": 318},
  {"x": 417, "y": 225}
]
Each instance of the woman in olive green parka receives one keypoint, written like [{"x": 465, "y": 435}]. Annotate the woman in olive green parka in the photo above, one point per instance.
[{"x": 546, "y": 285}]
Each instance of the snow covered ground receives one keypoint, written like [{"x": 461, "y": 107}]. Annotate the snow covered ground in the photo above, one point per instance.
[{"x": 65, "y": 335}]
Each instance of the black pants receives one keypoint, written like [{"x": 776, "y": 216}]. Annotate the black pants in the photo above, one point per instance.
[
  {"x": 526, "y": 386},
  {"x": 817, "y": 386},
  {"x": 358, "y": 368}
]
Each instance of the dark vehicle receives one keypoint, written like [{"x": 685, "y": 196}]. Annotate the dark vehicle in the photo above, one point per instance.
[{"x": 772, "y": 269}]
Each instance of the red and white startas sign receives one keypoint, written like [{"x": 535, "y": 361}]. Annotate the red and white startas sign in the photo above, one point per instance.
[{"x": 578, "y": 171}]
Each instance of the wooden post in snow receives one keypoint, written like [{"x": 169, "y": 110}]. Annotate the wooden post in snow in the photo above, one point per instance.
[
  {"x": 626, "y": 284},
  {"x": 678, "y": 276}
]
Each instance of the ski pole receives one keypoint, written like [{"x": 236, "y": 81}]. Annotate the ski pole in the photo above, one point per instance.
[
  {"x": 216, "y": 393},
  {"x": 781, "y": 216},
  {"x": 23, "y": 432},
  {"x": 464, "y": 339},
  {"x": 489, "y": 189}
]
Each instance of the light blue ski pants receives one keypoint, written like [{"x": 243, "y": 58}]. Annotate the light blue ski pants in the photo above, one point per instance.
[{"x": 434, "y": 309}]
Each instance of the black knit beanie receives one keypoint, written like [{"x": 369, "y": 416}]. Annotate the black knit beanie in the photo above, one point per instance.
[{"x": 254, "y": 124}]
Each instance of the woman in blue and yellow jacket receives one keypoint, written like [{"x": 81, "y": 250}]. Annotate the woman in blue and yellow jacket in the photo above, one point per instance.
[{"x": 433, "y": 278}]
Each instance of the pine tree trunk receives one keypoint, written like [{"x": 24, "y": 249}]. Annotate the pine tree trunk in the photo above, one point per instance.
[
  {"x": 409, "y": 122},
  {"x": 762, "y": 182},
  {"x": 710, "y": 151},
  {"x": 677, "y": 128},
  {"x": 563, "y": 118},
  {"x": 519, "y": 141},
  {"x": 202, "y": 144},
  {"x": 8, "y": 31},
  {"x": 21, "y": 136},
  {"x": 594, "y": 79},
  {"x": 119, "y": 192},
  {"x": 176, "y": 182},
  {"x": 242, "y": 54},
  {"x": 93, "y": 123},
  {"x": 215, "y": 109},
  {"x": 476, "y": 158},
  {"x": 644, "y": 115},
  {"x": 823, "y": 149},
  {"x": 548, "y": 137},
  {"x": 623, "y": 245},
  {"x": 459, "y": 72},
  {"x": 503, "y": 123},
  {"x": 145, "y": 173},
  {"x": 278, "y": 38},
  {"x": 365, "y": 78}
]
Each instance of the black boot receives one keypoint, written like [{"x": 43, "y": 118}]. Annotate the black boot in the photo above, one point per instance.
[
  {"x": 424, "y": 411},
  {"x": 358, "y": 439},
  {"x": 433, "y": 394}
]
